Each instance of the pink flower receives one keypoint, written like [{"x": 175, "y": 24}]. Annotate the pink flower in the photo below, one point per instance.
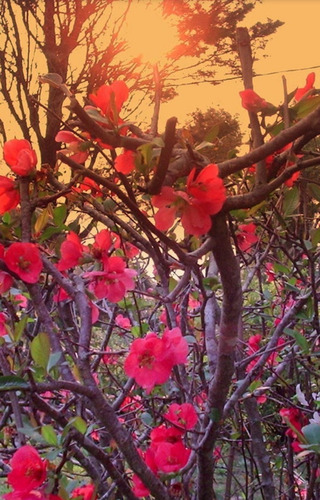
[
  {"x": 89, "y": 185},
  {"x": 194, "y": 217},
  {"x": 20, "y": 157},
  {"x": 71, "y": 252},
  {"x": 308, "y": 86},
  {"x": 6, "y": 282},
  {"x": 28, "y": 469},
  {"x": 113, "y": 282},
  {"x": 151, "y": 359},
  {"x": 251, "y": 101},
  {"x": 171, "y": 457},
  {"x": 123, "y": 322},
  {"x": 3, "y": 328},
  {"x": 9, "y": 194},
  {"x": 183, "y": 415},
  {"x": 125, "y": 162},
  {"x": 86, "y": 492},
  {"x": 76, "y": 147},
  {"x": 148, "y": 362},
  {"x": 205, "y": 196},
  {"x": 24, "y": 259},
  {"x": 246, "y": 238}
]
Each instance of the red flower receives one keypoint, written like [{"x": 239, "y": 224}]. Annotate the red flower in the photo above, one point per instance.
[
  {"x": 183, "y": 415},
  {"x": 251, "y": 101},
  {"x": 3, "y": 328},
  {"x": 6, "y": 282},
  {"x": 113, "y": 282},
  {"x": 207, "y": 188},
  {"x": 205, "y": 196},
  {"x": 20, "y": 157},
  {"x": 71, "y": 252},
  {"x": 123, "y": 322},
  {"x": 147, "y": 362},
  {"x": 151, "y": 359},
  {"x": 86, "y": 492},
  {"x": 89, "y": 185},
  {"x": 9, "y": 194},
  {"x": 29, "y": 471},
  {"x": 246, "y": 238},
  {"x": 77, "y": 148},
  {"x": 102, "y": 244},
  {"x": 171, "y": 457},
  {"x": 308, "y": 86},
  {"x": 24, "y": 259},
  {"x": 110, "y": 98},
  {"x": 175, "y": 346},
  {"x": 125, "y": 163},
  {"x": 194, "y": 217},
  {"x": 296, "y": 420}
]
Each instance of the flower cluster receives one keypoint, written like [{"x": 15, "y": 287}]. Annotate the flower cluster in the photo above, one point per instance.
[
  {"x": 151, "y": 358},
  {"x": 167, "y": 452},
  {"x": 295, "y": 419},
  {"x": 28, "y": 475},
  {"x": 205, "y": 195},
  {"x": 113, "y": 280}
]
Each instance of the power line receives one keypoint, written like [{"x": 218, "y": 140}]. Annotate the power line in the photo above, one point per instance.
[{"x": 240, "y": 77}]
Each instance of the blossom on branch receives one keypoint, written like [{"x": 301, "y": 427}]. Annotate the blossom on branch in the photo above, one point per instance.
[
  {"x": 71, "y": 252},
  {"x": 246, "y": 237},
  {"x": 183, "y": 415},
  {"x": 29, "y": 471},
  {"x": 151, "y": 359},
  {"x": 9, "y": 194},
  {"x": 110, "y": 98},
  {"x": 251, "y": 101},
  {"x": 24, "y": 259},
  {"x": 125, "y": 162},
  {"x": 308, "y": 86},
  {"x": 113, "y": 282},
  {"x": 76, "y": 148},
  {"x": 20, "y": 157}
]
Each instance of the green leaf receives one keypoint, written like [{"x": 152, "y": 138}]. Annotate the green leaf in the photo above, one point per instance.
[
  {"x": 12, "y": 383},
  {"x": 19, "y": 328},
  {"x": 304, "y": 107},
  {"x": 49, "y": 434},
  {"x": 146, "y": 418},
  {"x": 315, "y": 191},
  {"x": 146, "y": 153},
  {"x": 53, "y": 79},
  {"x": 301, "y": 341},
  {"x": 50, "y": 231},
  {"x": 312, "y": 433},
  {"x": 95, "y": 115},
  {"x": 190, "y": 339},
  {"x": 315, "y": 236},
  {"x": 79, "y": 424},
  {"x": 290, "y": 201},
  {"x": 60, "y": 214},
  {"x": 204, "y": 144},
  {"x": 53, "y": 360},
  {"x": 40, "y": 349}
]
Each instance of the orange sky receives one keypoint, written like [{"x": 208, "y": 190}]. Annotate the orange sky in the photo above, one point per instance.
[{"x": 295, "y": 45}]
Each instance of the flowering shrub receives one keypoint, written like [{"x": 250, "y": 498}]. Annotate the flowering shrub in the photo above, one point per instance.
[{"x": 144, "y": 315}]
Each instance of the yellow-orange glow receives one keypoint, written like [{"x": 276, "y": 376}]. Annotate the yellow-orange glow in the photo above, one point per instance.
[{"x": 148, "y": 33}]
